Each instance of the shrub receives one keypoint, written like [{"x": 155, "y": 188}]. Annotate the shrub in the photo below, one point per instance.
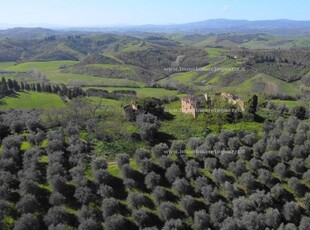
[
  {"x": 89, "y": 224},
  {"x": 142, "y": 154},
  {"x": 201, "y": 220},
  {"x": 105, "y": 191},
  {"x": 173, "y": 172},
  {"x": 83, "y": 194},
  {"x": 99, "y": 163},
  {"x": 304, "y": 223},
  {"x": 152, "y": 180},
  {"x": 159, "y": 195},
  {"x": 143, "y": 218},
  {"x": 189, "y": 205},
  {"x": 56, "y": 215},
  {"x": 253, "y": 220},
  {"x": 116, "y": 222},
  {"x": 137, "y": 200},
  {"x": 27, "y": 204},
  {"x": 56, "y": 199},
  {"x": 160, "y": 150},
  {"x": 291, "y": 212},
  {"x": 192, "y": 169},
  {"x": 174, "y": 224},
  {"x": 110, "y": 206},
  {"x": 168, "y": 211},
  {"x": 218, "y": 212},
  {"x": 27, "y": 221},
  {"x": 122, "y": 159},
  {"x": 181, "y": 186},
  {"x": 272, "y": 218}
]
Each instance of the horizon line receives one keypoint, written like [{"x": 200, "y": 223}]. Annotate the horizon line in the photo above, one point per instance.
[{"x": 120, "y": 25}]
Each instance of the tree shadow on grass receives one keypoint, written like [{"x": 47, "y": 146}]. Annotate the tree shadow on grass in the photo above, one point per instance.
[
  {"x": 119, "y": 188},
  {"x": 259, "y": 119},
  {"x": 72, "y": 220},
  {"x": 161, "y": 137}
]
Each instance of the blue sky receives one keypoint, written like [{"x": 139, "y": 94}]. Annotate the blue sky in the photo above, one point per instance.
[{"x": 137, "y": 12}]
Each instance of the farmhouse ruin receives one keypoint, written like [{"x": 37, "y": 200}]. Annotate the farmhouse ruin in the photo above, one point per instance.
[
  {"x": 234, "y": 100},
  {"x": 193, "y": 103}
]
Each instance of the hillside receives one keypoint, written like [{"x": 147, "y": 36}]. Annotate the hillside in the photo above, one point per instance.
[
  {"x": 224, "y": 61},
  {"x": 261, "y": 83},
  {"x": 141, "y": 131},
  {"x": 257, "y": 40},
  {"x": 27, "y": 33}
]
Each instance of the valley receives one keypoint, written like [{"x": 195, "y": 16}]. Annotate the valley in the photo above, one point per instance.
[{"x": 94, "y": 136}]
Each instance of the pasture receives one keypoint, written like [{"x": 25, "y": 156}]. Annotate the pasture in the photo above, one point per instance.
[{"x": 31, "y": 100}]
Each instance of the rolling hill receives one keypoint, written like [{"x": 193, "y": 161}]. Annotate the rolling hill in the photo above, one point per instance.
[{"x": 256, "y": 62}]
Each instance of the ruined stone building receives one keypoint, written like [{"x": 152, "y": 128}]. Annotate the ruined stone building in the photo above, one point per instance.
[
  {"x": 192, "y": 104},
  {"x": 234, "y": 100}
]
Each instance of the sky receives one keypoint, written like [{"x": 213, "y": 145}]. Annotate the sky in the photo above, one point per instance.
[{"x": 141, "y": 12}]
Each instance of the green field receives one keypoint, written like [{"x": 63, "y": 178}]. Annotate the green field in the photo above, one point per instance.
[
  {"x": 5, "y": 65},
  {"x": 53, "y": 74},
  {"x": 41, "y": 66},
  {"x": 111, "y": 66},
  {"x": 290, "y": 104},
  {"x": 302, "y": 42},
  {"x": 209, "y": 41},
  {"x": 272, "y": 86},
  {"x": 32, "y": 100},
  {"x": 105, "y": 101},
  {"x": 78, "y": 79},
  {"x": 214, "y": 52},
  {"x": 134, "y": 46},
  {"x": 186, "y": 77},
  {"x": 83, "y": 79}
]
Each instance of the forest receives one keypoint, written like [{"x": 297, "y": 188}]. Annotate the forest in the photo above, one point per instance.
[{"x": 52, "y": 178}]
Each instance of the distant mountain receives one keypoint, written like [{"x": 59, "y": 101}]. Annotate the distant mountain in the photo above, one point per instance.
[
  {"x": 220, "y": 26},
  {"x": 244, "y": 26},
  {"x": 27, "y": 33},
  {"x": 215, "y": 26},
  {"x": 38, "y": 32}
]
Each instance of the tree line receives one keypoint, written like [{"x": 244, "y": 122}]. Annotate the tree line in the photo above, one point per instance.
[{"x": 8, "y": 87}]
